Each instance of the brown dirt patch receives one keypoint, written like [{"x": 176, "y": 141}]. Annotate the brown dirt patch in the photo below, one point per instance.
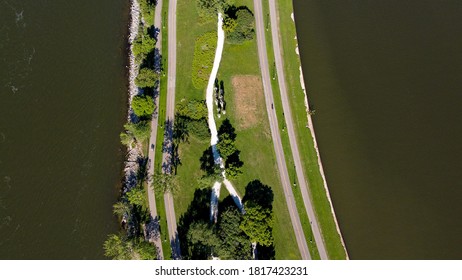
[{"x": 249, "y": 103}]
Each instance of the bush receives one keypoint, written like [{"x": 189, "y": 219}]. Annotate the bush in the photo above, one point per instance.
[
  {"x": 199, "y": 128},
  {"x": 204, "y": 54},
  {"x": 147, "y": 11},
  {"x": 143, "y": 45},
  {"x": 244, "y": 28},
  {"x": 143, "y": 106},
  {"x": 146, "y": 78},
  {"x": 209, "y": 8},
  {"x": 192, "y": 109}
]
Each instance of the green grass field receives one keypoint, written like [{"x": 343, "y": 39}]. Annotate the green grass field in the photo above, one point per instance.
[
  {"x": 305, "y": 142},
  {"x": 254, "y": 143}
]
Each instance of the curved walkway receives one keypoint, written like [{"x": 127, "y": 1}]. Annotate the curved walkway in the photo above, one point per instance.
[
  {"x": 281, "y": 162},
  {"x": 290, "y": 129}
]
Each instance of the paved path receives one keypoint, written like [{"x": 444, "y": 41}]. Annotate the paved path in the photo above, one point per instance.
[
  {"x": 281, "y": 162},
  {"x": 170, "y": 114},
  {"x": 303, "y": 183},
  {"x": 152, "y": 140}
]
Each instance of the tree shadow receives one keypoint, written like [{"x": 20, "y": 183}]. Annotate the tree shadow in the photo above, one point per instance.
[
  {"x": 207, "y": 161},
  {"x": 259, "y": 193},
  {"x": 198, "y": 210},
  {"x": 265, "y": 252},
  {"x": 227, "y": 128}
]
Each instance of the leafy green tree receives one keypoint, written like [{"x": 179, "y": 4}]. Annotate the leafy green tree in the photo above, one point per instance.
[
  {"x": 202, "y": 241},
  {"x": 143, "y": 45},
  {"x": 147, "y": 8},
  {"x": 192, "y": 109},
  {"x": 210, "y": 8},
  {"x": 127, "y": 139},
  {"x": 137, "y": 196},
  {"x": 257, "y": 223},
  {"x": 244, "y": 29},
  {"x": 139, "y": 131},
  {"x": 229, "y": 24},
  {"x": 233, "y": 165},
  {"x": 146, "y": 78},
  {"x": 165, "y": 183},
  {"x": 145, "y": 250},
  {"x": 235, "y": 244},
  {"x": 226, "y": 139},
  {"x": 199, "y": 128},
  {"x": 121, "y": 208},
  {"x": 143, "y": 105},
  {"x": 117, "y": 248}
]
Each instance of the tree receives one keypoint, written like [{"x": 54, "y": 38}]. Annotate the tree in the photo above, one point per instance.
[
  {"x": 146, "y": 78},
  {"x": 226, "y": 139},
  {"x": 117, "y": 248},
  {"x": 143, "y": 45},
  {"x": 143, "y": 105},
  {"x": 210, "y": 8},
  {"x": 192, "y": 109},
  {"x": 229, "y": 24},
  {"x": 245, "y": 26},
  {"x": 234, "y": 245},
  {"x": 121, "y": 208},
  {"x": 137, "y": 196},
  {"x": 165, "y": 183},
  {"x": 147, "y": 8},
  {"x": 233, "y": 165},
  {"x": 127, "y": 139},
  {"x": 202, "y": 241},
  {"x": 145, "y": 250},
  {"x": 257, "y": 223},
  {"x": 136, "y": 131}
]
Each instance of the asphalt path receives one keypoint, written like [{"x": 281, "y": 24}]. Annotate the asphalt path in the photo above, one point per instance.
[
  {"x": 153, "y": 137},
  {"x": 170, "y": 114},
  {"x": 280, "y": 159},
  {"x": 303, "y": 183}
]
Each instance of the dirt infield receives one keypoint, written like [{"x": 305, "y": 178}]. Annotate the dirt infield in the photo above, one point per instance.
[{"x": 248, "y": 101}]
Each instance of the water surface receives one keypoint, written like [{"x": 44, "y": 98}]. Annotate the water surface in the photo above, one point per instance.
[
  {"x": 385, "y": 80},
  {"x": 62, "y": 105}
]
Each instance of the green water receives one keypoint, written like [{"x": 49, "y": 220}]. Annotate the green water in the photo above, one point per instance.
[
  {"x": 385, "y": 80},
  {"x": 62, "y": 104}
]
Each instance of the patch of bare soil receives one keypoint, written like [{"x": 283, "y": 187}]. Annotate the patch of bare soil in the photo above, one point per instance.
[{"x": 249, "y": 103}]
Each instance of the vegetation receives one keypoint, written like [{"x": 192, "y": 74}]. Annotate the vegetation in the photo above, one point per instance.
[
  {"x": 137, "y": 196},
  {"x": 143, "y": 105},
  {"x": 204, "y": 53},
  {"x": 135, "y": 132},
  {"x": 193, "y": 109},
  {"x": 119, "y": 247},
  {"x": 143, "y": 45},
  {"x": 163, "y": 183},
  {"x": 147, "y": 8},
  {"x": 259, "y": 159},
  {"x": 227, "y": 147},
  {"x": 231, "y": 236},
  {"x": 209, "y": 8},
  {"x": 146, "y": 78},
  {"x": 239, "y": 25}
]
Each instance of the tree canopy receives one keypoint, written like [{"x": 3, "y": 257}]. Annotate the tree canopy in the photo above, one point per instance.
[
  {"x": 257, "y": 223},
  {"x": 143, "y": 45},
  {"x": 243, "y": 27},
  {"x": 119, "y": 247},
  {"x": 146, "y": 78},
  {"x": 135, "y": 132},
  {"x": 210, "y": 8},
  {"x": 143, "y": 105}
]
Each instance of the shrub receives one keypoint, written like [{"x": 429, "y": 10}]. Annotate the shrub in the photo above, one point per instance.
[
  {"x": 143, "y": 105},
  {"x": 204, "y": 54},
  {"x": 146, "y": 78},
  {"x": 199, "y": 128},
  {"x": 147, "y": 11},
  {"x": 244, "y": 28}
]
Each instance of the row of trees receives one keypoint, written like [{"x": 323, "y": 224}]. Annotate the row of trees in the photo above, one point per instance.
[
  {"x": 238, "y": 22},
  {"x": 231, "y": 237},
  {"x": 132, "y": 208}
]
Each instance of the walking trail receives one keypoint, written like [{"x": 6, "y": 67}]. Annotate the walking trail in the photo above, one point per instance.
[{"x": 213, "y": 129}]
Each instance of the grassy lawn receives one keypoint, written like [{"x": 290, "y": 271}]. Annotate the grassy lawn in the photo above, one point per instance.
[
  {"x": 160, "y": 135},
  {"x": 304, "y": 220},
  {"x": 254, "y": 143},
  {"x": 304, "y": 137}
]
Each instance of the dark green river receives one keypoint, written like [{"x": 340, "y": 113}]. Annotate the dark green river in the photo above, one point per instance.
[
  {"x": 63, "y": 91},
  {"x": 385, "y": 79}
]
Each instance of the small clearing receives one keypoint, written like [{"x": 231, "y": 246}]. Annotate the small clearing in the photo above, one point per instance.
[{"x": 248, "y": 101}]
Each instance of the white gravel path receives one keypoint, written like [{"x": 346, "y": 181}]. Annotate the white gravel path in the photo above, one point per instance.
[{"x": 213, "y": 128}]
